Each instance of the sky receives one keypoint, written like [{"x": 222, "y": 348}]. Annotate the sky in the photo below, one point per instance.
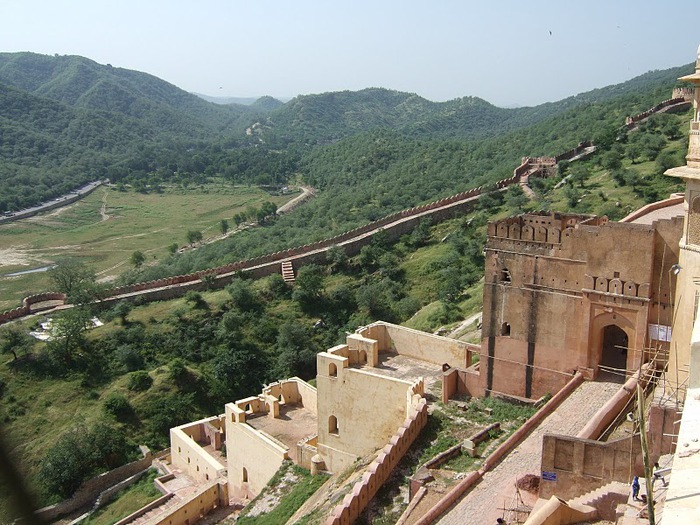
[{"x": 510, "y": 53}]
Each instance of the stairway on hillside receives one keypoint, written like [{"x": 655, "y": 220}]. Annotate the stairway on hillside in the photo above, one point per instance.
[{"x": 288, "y": 272}]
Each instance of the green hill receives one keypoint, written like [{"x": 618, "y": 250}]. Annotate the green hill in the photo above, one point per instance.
[{"x": 83, "y": 83}]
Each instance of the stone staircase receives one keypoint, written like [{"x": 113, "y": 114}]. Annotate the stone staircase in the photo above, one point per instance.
[
  {"x": 605, "y": 498},
  {"x": 288, "y": 272}
]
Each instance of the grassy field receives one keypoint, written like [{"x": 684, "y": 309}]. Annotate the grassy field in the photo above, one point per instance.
[{"x": 106, "y": 227}]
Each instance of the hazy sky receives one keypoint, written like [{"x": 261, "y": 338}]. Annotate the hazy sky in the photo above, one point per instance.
[{"x": 501, "y": 51}]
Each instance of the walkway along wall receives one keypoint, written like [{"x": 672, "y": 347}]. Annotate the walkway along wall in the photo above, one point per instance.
[{"x": 504, "y": 448}]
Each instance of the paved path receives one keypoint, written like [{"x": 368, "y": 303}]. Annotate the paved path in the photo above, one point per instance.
[{"x": 496, "y": 490}]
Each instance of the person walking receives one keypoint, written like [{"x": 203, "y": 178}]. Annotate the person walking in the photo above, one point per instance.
[{"x": 635, "y": 488}]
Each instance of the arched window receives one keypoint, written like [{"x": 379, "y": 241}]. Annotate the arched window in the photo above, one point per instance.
[
  {"x": 505, "y": 329},
  {"x": 333, "y": 370},
  {"x": 363, "y": 356},
  {"x": 333, "y": 425},
  {"x": 245, "y": 475},
  {"x": 247, "y": 407}
]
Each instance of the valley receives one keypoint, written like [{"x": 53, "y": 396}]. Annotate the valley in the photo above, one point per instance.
[
  {"x": 184, "y": 166},
  {"x": 108, "y": 226}
]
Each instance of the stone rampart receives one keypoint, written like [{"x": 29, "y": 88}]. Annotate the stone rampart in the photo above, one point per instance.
[
  {"x": 352, "y": 241},
  {"x": 380, "y": 469},
  {"x": 632, "y": 122}
]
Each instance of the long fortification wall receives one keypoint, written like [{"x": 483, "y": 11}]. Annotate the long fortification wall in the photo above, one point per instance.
[
  {"x": 678, "y": 103},
  {"x": 394, "y": 226},
  {"x": 351, "y": 241},
  {"x": 63, "y": 201}
]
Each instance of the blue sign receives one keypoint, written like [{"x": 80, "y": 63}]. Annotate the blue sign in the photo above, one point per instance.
[{"x": 549, "y": 476}]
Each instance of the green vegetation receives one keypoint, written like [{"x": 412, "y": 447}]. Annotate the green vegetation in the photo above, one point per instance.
[
  {"x": 127, "y": 501},
  {"x": 183, "y": 174},
  {"x": 290, "y": 487}
]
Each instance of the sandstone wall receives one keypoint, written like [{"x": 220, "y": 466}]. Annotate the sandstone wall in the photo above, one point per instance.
[{"x": 380, "y": 469}]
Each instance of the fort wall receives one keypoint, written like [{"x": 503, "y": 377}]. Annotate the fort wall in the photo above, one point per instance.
[
  {"x": 380, "y": 469},
  {"x": 419, "y": 345},
  {"x": 188, "y": 454}
]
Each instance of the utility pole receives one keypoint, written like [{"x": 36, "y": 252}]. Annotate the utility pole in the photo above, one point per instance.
[{"x": 645, "y": 451}]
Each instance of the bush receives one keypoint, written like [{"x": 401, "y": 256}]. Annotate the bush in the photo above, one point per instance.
[
  {"x": 117, "y": 405},
  {"x": 80, "y": 454},
  {"x": 178, "y": 371},
  {"x": 196, "y": 300},
  {"x": 129, "y": 357},
  {"x": 139, "y": 381}
]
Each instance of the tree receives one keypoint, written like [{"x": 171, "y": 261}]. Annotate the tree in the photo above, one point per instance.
[
  {"x": 579, "y": 174},
  {"x": 122, "y": 310},
  {"x": 295, "y": 350},
  {"x": 563, "y": 167},
  {"x": 516, "y": 198},
  {"x": 80, "y": 454},
  {"x": 243, "y": 297},
  {"x": 194, "y": 236},
  {"x": 68, "y": 330},
  {"x": 223, "y": 226},
  {"x": 172, "y": 249},
  {"x": 612, "y": 160},
  {"x": 238, "y": 369},
  {"x": 75, "y": 279},
  {"x": 137, "y": 259},
  {"x": 308, "y": 287},
  {"x": 336, "y": 258},
  {"x": 14, "y": 340}
]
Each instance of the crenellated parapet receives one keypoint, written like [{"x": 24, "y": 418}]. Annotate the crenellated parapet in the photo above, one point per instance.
[
  {"x": 540, "y": 227},
  {"x": 616, "y": 286}
]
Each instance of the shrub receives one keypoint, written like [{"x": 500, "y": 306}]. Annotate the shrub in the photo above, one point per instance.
[
  {"x": 139, "y": 381},
  {"x": 117, "y": 405}
]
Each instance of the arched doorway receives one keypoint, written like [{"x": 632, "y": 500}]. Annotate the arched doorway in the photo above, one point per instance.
[{"x": 614, "y": 353}]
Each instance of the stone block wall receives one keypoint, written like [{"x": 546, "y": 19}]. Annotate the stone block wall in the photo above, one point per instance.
[{"x": 573, "y": 466}]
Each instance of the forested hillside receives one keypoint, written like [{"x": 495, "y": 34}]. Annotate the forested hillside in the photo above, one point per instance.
[
  {"x": 372, "y": 174},
  {"x": 67, "y": 120},
  {"x": 152, "y": 366}
]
